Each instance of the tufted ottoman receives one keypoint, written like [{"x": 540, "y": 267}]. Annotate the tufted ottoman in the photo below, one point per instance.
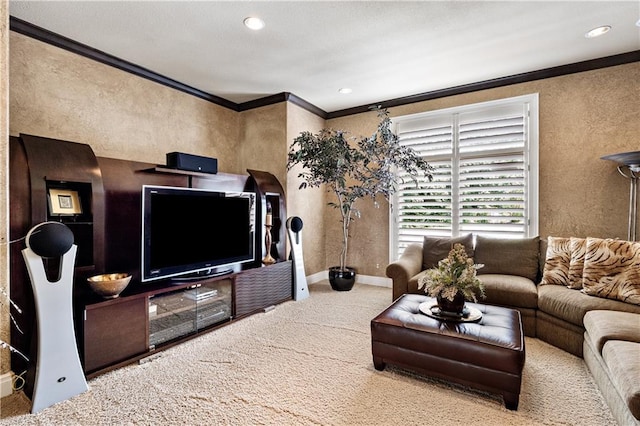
[{"x": 487, "y": 355}]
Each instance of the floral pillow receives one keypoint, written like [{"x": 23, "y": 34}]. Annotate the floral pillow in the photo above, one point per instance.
[
  {"x": 612, "y": 269},
  {"x": 576, "y": 263},
  {"x": 556, "y": 265}
]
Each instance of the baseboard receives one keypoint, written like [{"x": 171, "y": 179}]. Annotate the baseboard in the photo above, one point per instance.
[
  {"x": 6, "y": 384},
  {"x": 317, "y": 277},
  {"x": 373, "y": 280},
  {"x": 360, "y": 279}
]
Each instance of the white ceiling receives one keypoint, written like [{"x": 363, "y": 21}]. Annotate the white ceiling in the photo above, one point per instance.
[{"x": 381, "y": 49}]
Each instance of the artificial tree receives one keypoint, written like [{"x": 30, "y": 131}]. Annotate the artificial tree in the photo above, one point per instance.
[{"x": 353, "y": 168}]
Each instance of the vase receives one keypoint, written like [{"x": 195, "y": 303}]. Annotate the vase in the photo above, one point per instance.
[
  {"x": 455, "y": 306},
  {"x": 342, "y": 279}
]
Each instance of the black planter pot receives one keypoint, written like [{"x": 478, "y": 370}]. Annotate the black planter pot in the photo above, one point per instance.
[
  {"x": 453, "y": 307},
  {"x": 342, "y": 279}
]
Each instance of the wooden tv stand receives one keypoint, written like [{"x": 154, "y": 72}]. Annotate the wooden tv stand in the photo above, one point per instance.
[
  {"x": 153, "y": 317},
  {"x": 116, "y": 332}
]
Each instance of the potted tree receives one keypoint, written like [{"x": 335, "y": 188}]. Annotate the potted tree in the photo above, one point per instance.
[{"x": 353, "y": 168}]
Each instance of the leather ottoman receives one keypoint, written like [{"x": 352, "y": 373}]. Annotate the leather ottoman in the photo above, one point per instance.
[{"x": 488, "y": 354}]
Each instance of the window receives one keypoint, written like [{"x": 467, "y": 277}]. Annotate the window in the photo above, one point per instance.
[{"x": 485, "y": 177}]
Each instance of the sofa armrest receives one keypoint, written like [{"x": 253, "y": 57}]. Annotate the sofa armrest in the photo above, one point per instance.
[{"x": 403, "y": 269}]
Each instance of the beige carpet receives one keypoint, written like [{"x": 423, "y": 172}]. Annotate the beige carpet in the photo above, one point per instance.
[{"x": 309, "y": 363}]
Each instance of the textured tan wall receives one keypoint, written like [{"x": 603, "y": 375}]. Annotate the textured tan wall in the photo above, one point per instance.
[
  {"x": 309, "y": 203},
  {"x": 582, "y": 117},
  {"x": 262, "y": 140},
  {"x": 4, "y": 178},
  {"x": 58, "y": 94}
]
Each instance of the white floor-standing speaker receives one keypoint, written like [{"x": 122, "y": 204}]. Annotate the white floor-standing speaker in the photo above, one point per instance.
[
  {"x": 294, "y": 230},
  {"x": 59, "y": 374}
]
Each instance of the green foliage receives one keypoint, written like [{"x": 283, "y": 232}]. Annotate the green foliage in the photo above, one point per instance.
[{"x": 354, "y": 167}]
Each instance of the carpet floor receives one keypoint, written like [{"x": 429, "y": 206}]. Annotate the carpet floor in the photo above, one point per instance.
[{"x": 309, "y": 363}]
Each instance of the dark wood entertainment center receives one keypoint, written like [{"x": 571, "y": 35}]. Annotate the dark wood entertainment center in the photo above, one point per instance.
[{"x": 146, "y": 317}]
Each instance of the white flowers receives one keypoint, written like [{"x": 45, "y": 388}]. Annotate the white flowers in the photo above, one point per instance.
[{"x": 454, "y": 274}]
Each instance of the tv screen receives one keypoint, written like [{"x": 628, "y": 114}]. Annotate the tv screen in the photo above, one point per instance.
[{"x": 193, "y": 232}]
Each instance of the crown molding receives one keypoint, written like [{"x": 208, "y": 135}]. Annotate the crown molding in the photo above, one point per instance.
[
  {"x": 283, "y": 97},
  {"x": 593, "y": 64},
  {"x": 46, "y": 36}
]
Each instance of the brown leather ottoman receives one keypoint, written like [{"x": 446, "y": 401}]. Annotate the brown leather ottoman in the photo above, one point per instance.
[{"x": 487, "y": 355}]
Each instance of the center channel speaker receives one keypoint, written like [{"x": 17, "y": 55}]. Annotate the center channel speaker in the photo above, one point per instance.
[{"x": 192, "y": 163}]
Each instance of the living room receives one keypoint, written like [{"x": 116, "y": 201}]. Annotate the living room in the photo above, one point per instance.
[{"x": 51, "y": 92}]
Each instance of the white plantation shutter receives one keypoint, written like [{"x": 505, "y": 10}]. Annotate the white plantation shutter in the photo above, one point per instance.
[
  {"x": 483, "y": 179},
  {"x": 429, "y": 204}
]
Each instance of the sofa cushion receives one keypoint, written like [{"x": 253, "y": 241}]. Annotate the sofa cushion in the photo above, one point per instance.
[
  {"x": 571, "y": 305},
  {"x": 612, "y": 269},
  {"x": 434, "y": 249},
  {"x": 509, "y": 290},
  {"x": 576, "y": 263},
  {"x": 508, "y": 256},
  {"x": 603, "y": 326},
  {"x": 623, "y": 360},
  {"x": 557, "y": 260}
]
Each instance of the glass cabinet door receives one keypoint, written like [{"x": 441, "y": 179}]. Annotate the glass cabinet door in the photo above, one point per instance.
[
  {"x": 171, "y": 315},
  {"x": 214, "y": 303}
]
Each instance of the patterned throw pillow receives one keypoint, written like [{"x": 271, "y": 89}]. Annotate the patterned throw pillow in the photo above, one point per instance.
[
  {"x": 612, "y": 269},
  {"x": 556, "y": 265},
  {"x": 576, "y": 264}
]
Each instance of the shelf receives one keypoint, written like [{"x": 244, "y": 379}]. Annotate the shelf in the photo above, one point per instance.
[{"x": 222, "y": 177}]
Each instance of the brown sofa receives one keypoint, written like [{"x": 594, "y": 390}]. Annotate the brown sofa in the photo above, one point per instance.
[
  {"x": 511, "y": 275},
  {"x": 612, "y": 354}
]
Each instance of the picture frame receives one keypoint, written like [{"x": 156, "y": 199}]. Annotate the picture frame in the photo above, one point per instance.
[{"x": 64, "y": 202}]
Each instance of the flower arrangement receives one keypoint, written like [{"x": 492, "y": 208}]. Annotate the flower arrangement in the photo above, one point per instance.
[{"x": 454, "y": 274}]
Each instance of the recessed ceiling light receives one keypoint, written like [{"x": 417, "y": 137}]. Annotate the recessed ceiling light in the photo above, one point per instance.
[
  {"x": 254, "y": 23},
  {"x": 597, "y": 32},
  {"x": 345, "y": 90}
]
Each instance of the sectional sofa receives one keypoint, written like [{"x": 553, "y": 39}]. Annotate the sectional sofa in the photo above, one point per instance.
[{"x": 555, "y": 283}]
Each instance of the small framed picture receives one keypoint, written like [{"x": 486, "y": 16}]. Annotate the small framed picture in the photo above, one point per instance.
[{"x": 64, "y": 202}]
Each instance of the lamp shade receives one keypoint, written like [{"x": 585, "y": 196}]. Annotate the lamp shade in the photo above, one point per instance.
[{"x": 630, "y": 159}]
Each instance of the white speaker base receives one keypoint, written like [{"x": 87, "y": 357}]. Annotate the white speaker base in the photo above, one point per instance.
[
  {"x": 59, "y": 374},
  {"x": 300, "y": 286}
]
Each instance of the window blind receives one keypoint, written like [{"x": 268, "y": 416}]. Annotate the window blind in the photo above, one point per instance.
[{"x": 483, "y": 181}]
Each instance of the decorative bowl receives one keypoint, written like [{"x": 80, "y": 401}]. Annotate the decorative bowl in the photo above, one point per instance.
[{"x": 109, "y": 286}]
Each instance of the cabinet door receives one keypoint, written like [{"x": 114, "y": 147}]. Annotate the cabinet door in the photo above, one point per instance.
[
  {"x": 172, "y": 315},
  {"x": 260, "y": 288},
  {"x": 214, "y": 303},
  {"x": 114, "y": 332}
]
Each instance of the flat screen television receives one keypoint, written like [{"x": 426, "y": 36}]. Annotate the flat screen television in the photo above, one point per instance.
[{"x": 191, "y": 233}]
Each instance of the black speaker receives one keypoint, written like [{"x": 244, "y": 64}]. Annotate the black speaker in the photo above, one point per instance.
[
  {"x": 192, "y": 163},
  {"x": 50, "y": 239}
]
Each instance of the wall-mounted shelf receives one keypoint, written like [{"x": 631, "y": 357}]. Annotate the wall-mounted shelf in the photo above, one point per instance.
[{"x": 216, "y": 176}]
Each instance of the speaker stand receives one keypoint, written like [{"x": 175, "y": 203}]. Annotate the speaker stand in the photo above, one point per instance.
[
  {"x": 59, "y": 374},
  {"x": 300, "y": 287}
]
